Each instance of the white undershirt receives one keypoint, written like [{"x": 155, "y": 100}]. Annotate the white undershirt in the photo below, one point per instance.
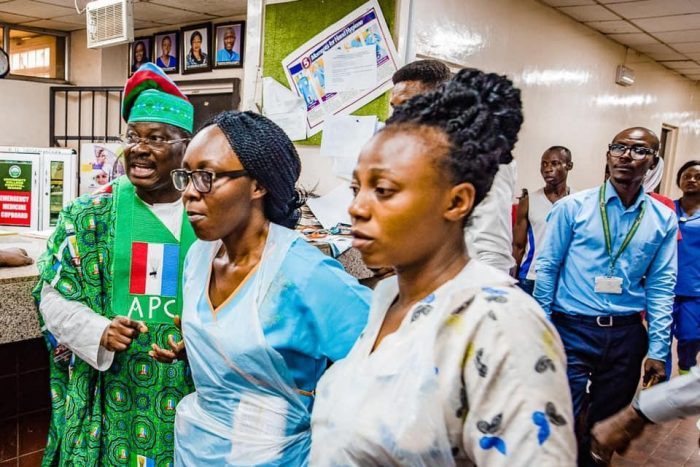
[{"x": 75, "y": 325}]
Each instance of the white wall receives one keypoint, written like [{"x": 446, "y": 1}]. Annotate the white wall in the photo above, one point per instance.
[
  {"x": 24, "y": 113},
  {"x": 566, "y": 73}
]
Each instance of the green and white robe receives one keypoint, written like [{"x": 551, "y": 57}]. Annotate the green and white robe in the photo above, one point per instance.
[{"x": 124, "y": 415}]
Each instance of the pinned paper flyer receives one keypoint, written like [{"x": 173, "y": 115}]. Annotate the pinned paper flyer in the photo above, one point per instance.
[
  {"x": 284, "y": 108},
  {"x": 343, "y": 139},
  {"x": 332, "y": 208}
]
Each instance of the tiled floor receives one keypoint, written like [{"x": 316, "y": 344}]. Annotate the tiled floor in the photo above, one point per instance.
[{"x": 672, "y": 444}]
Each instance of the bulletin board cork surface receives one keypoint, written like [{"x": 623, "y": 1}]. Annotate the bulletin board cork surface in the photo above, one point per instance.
[{"x": 289, "y": 25}]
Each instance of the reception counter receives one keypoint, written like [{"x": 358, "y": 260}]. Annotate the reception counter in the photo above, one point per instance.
[{"x": 18, "y": 320}]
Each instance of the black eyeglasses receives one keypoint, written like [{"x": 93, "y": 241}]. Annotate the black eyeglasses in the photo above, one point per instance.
[
  {"x": 154, "y": 141},
  {"x": 636, "y": 152},
  {"x": 201, "y": 179}
]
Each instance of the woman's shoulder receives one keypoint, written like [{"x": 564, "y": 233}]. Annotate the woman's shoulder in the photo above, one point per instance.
[
  {"x": 486, "y": 295},
  {"x": 307, "y": 267}
]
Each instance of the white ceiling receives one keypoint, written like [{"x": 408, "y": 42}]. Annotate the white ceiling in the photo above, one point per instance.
[
  {"x": 62, "y": 15},
  {"x": 668, "y": 31}
]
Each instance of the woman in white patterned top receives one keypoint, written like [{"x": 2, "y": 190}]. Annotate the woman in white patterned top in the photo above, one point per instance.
[{"x": 456, "y": 365}]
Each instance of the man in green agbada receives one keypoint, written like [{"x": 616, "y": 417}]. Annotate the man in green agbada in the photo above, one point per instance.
[{"x": 109, "y": 289}]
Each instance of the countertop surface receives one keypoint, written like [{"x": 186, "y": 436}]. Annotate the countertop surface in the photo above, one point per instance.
[
  {"x": 34, "y": 246},
  {"x": 18, "y": 317}
]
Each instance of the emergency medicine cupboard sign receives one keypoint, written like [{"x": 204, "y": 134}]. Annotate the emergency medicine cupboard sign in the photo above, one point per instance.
[{"x": 15, "y": 193}]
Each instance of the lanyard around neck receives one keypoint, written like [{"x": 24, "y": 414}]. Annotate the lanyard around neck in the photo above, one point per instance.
[{"x": 606, "y": 228}]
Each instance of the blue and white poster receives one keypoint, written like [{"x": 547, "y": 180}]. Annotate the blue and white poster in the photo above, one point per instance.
[{"x": 341, "y": 53}]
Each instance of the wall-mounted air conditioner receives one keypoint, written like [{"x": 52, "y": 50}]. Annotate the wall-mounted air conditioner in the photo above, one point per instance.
[
  {"x": 624, "y": 76},
  {"x": 109, "y": 22}
]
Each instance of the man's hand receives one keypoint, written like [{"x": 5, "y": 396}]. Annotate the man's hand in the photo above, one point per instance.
[
  {"x": 176, "y": 351},
  {"x": 14, "y": 257},
  {"x": 120, "y": 332},
  {"x": 614, "y": 434},
  {"x": 654, "y": 372}
]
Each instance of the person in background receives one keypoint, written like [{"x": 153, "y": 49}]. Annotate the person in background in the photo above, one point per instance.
[
  {"x": 531, "y": 217},
  {"x": 489, "y": 237},
  {"x": 668, "y": 401},
  {"x": 109, "y": 286},
  {"x": 227, "y": 54},
  {"x": 265, "y": 312},
  {"x": 609, "y": 253},
  {"x": 416, "y": 78},
  {"x": 166, "y": 60},
  {"x": 14, "y": 257},
  {"x": 686, "y": 308},
  {"x": 457, "y": 365}
]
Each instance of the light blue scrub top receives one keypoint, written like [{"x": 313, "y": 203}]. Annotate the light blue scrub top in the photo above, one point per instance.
[
  {"x": 313, "y": 321},
  {"x": 268, "y": 344}
]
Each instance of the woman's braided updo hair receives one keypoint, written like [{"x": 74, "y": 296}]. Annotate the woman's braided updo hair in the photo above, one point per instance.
[
  {"x": 269, "y": 157},
  {"x": 481, "y": 115}
]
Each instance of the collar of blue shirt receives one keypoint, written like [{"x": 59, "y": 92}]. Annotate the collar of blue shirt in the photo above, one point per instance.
[{"x": 611, "y": 192}]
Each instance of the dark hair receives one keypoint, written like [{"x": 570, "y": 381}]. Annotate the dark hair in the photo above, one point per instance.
[
  {"x": 481, "y": 114},
  {"x": 683, "y": 168},
  {"x": 269, "y": 157},
  {"x": 145, "y": 51},
  {"x": 196, "y": 33},
  {"x": 562, "y": 149},
  {"x": 431, "y": 73}
]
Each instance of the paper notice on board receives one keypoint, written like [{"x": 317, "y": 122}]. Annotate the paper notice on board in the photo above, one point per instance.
[
  {"x": 332, "y": 208},
  {"x": 344, "y": 135},
  {"x": 351, "y": 70},
  {"x": 343, "y": 139},
  {"x": 284, "y": 108},
  {"x": 306, "y": 68}
]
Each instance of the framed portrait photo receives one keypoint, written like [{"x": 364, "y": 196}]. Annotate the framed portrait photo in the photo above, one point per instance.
[
  {"x": 196, "y": 51},
  {"x": 229, "y": 44},
  {"x": 139, "y": 53},
  {"x": 166, "y": 51}
]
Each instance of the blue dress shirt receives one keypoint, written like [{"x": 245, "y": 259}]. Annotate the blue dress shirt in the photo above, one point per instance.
[
  {"x": 224, "y": 56},
  {"x": 573, "y": 254}
]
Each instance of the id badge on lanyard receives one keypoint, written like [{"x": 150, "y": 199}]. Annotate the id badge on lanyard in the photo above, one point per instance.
[{"x": 611, "y": 284}]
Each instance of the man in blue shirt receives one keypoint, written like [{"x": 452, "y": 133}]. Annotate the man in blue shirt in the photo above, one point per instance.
[
  {"x": 227, "y": 54},
  {"x": 610, "y": 253}
]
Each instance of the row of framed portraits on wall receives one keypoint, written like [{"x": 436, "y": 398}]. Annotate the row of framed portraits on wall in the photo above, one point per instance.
[{"x": 193, "y": 49}]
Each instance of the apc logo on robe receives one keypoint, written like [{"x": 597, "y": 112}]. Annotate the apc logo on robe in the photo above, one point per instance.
[{"x": 154, "y": 269}]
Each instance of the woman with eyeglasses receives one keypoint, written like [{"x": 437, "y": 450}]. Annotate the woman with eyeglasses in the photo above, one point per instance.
[
  {"x": 686, "y": 307},
  {"x": 457, "y": 366},
  {"x": 266, "y": 313}
]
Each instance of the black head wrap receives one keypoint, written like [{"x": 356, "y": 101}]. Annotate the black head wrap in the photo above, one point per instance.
[{"x": 269, "y": 157}]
